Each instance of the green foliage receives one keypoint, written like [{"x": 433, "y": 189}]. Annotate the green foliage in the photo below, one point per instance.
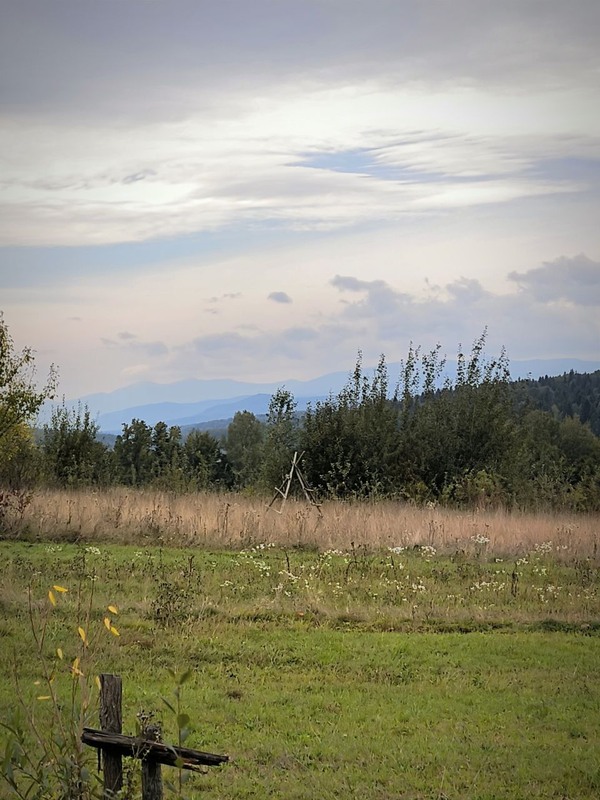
[
  {"x": 20, "y": 399},
  {"x": 183, "y": 725},
  {"x": 73, "y": 456},
  {"x": 281, "y": 439},
  {"x": 157, "y": 456},
  {"x": 206, "y": 464},
  {"x": 556, "y": 464},
  {"x": 20, "y": 461},
  {"x": 167, "y": 457},
  {"x": 471, "y": 442},
  {"x": 464, "y": 428},
  {"x": 350, "y": 441},
  {"x": 244, "y": 446},
  {"x": 562, "y": 396},
  {"x": 134, "y": 455}
]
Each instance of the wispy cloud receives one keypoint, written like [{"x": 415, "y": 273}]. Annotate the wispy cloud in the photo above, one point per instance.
[
  {"x": 130, "y": 342},
  {"x": 404, "y": 170}
]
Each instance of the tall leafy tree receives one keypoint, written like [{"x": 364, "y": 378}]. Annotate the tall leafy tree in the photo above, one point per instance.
[
  {"x": 167, "y": 451},
  {"x": 134, "y": 456},
  {"x": 281, "y": 439},
  {"x": 350, "y": 440},
  {"x": 244, "y": 446},
  {"x": 73, "y": 456},
  {"x": 20, "y": 459},
  {"x": 206, "y": 464},
  {"x": 20, "y": 398},
  {"x": 20, "y": 401},
  {"x": 461, "y": 428}
]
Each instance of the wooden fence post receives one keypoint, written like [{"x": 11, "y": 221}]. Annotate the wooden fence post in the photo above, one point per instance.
[
  {"x": 111, "y": 721},
  {"x": 148, "y": 747},
  {"x": 152, "y": 788}
]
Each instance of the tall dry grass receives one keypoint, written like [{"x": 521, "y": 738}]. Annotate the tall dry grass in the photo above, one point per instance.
[{"x": 235, "y": 521}]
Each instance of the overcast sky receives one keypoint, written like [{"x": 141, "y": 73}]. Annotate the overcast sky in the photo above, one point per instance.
[{"x": 256, "y": 189}]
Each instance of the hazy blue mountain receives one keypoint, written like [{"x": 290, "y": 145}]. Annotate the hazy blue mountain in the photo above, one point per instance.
[
  {"x": 152, "y": 413},
  {"x": 196, "y": 391},
  {"x": 199, "y": 401},
  {"x": 208, "y": 414}
]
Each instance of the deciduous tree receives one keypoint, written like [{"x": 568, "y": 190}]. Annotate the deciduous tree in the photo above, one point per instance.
[
  {"x": 244, "y": 445},
  {"x": 73, "y": 456},
  {"x": 20, "y": 398}
]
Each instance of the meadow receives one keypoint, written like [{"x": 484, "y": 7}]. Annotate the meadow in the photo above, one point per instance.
[{"x": 376, "y": 651}]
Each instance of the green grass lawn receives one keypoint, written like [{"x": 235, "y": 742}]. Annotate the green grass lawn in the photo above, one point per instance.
[{"x": 389, "y": 675}]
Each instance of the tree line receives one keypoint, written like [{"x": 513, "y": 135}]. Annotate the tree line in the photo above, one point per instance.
[{"x": 476, "y": 440}]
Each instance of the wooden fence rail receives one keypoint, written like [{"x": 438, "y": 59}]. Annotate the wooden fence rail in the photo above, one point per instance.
[{"x": 113, "y": 745}]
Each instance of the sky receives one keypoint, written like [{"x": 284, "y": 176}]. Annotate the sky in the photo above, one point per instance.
[{"x": 259, "y": 189}]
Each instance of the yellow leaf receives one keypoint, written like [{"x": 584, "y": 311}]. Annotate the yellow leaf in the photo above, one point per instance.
[
  {"x": 45, "y": 697},
  {"x": 114, "y": 631},
  {"x": 81, "y": 632},
  {"x": 98, "y": 684},
  {"x": 75, "y": 668},
  {"x": 60, "y": 589},
  {"x": 113, "y": 609},
  {"x": 107, "y": 623},
  {"x": 59, "y": 653},
  {"x": 52, "y": 598},
  {"x": 36, "y": 683}
]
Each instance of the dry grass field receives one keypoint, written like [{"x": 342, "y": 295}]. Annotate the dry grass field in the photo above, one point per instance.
[{"x": 236, "y": 521}]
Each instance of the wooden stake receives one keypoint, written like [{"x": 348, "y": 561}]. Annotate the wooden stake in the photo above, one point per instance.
[
  {"x": 152, "y": 787},
  {"x": 111, "y": 721}
]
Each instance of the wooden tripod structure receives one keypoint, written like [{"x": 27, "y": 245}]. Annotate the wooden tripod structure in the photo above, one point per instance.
[{"x": 282, "y": 492}]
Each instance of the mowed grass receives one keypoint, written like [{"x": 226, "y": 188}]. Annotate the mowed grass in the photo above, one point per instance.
[{"x": 371, "y": 674}]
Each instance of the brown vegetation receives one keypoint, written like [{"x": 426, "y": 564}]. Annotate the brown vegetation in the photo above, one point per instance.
[{"x": 235, "y": 520}]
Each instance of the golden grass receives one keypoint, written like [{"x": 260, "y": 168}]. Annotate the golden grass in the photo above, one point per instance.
[{"x": 236, "y": 521}]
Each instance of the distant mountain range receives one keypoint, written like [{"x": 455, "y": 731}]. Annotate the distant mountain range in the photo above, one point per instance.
[
  {"x": 193, "y": 414},
  {"x": 202, "y": 402}
]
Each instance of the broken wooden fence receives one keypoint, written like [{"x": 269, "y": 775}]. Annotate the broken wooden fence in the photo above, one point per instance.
[{"x": 113, "y": 745}]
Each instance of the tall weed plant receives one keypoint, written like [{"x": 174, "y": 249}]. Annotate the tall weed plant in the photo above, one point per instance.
[{"x": 43, "y": 756}]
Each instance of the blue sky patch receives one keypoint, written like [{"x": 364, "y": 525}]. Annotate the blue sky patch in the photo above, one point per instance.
[{"x": 363, "y": 161}]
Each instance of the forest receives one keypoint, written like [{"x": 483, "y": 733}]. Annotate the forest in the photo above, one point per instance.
[{"x": 478, "y": 440}]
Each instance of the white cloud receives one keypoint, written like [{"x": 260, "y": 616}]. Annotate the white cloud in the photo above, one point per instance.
[{"x": 423, "y": 151}]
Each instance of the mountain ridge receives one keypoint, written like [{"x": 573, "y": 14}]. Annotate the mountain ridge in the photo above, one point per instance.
[{"x": 198, "y": 401}]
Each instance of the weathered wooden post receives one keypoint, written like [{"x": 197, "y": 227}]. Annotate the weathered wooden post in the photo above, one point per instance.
[
  {"x": 148, "y": 747},
  {"x": 111, "y": 721},
  {"x": 152, "y": 788}
]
